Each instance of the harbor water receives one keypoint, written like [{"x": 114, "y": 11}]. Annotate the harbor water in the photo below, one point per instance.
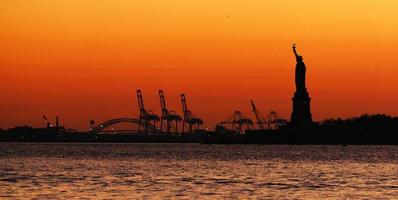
[{"x": 197, "y": 171}]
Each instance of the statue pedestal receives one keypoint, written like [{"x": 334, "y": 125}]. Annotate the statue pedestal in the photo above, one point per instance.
[{"x": 301, "y": 115}]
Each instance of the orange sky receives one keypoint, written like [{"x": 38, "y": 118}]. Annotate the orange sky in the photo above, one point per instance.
[{"x": 84, "y": 59}]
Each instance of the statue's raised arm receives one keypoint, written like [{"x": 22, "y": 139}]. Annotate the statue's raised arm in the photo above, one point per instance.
[
  {"x": 294, "y": 51},
  {"x": 298, "y": 57}
]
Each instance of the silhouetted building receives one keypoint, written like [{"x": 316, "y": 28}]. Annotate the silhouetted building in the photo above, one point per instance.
[{"x": 301, "y": 115}]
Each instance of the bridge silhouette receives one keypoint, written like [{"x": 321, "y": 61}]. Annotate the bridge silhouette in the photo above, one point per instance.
[{"x": 104, "y": 126}]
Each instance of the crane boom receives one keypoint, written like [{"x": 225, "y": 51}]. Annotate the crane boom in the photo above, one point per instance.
[
  {"x": 140, "y": 103},
  {"x": 260, "y": 120},
  {"x": 189, "y": 119},
  {"x": 168, "y": 116},
  {"x": 163, "y": 104},
  {"x": 185, "y": 108},
  {"x": 145, "y": 116}
]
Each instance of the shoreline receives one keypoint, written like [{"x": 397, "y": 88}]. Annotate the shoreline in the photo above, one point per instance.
[{"x": 243, "y": 139}]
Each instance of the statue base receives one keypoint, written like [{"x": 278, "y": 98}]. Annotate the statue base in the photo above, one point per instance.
[{"x": 301, "y": 116}]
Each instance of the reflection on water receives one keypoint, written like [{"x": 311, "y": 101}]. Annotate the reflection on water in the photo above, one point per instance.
[{"x": 186, "y": 171}]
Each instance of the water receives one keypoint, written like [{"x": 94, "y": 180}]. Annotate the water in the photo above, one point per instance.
[{"x": 194, "y": 171}]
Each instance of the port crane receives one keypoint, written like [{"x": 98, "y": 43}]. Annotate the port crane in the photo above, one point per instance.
[
  {"x": 260, "y": 120},
  {"x": 272, "y": 122},
  {"x": 189, "y": 119},
  {"x": 167, "y": 116},
  {"x": 238, "y": 121},
  {"x": 146, "y": 116}
]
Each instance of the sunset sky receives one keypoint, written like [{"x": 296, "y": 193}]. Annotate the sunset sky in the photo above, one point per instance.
[{"x": 84, "y": 59}]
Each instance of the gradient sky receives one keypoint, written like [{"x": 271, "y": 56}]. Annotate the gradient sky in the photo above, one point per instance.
[{"x": 84, "y": 59}]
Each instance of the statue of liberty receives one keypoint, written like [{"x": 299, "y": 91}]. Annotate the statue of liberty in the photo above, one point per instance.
[
  {"x": 301, "y": 116},
  {"x": 300, "y": 72}
]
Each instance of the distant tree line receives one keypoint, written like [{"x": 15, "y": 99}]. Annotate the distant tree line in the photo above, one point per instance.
[{"x": 377, "y": 127}]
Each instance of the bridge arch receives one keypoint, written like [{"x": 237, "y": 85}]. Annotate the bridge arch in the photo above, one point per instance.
[{"x": 106, "y": 124}]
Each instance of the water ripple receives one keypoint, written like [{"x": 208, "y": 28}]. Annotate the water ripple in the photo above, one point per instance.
[{"x": 193, "y": 171}]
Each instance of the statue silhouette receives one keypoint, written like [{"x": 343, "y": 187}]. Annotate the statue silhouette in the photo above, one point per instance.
[
  {"x": 301, "y": 117},
  {"x": 300, "y": 71}
]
